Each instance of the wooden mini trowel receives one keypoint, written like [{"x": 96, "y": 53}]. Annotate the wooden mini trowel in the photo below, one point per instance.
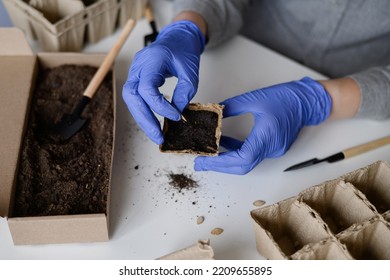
[
  {"x": 150, "y": 38},
  {"x": 72, "y": 123},
  {"x": 347, "y": 153}
]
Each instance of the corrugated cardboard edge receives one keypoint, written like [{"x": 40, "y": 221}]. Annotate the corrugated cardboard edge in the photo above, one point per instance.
[
  {"x": 199, "y": 251},
  {"x": 17, "y": 60},
  {"x": 212, "y": 107}
]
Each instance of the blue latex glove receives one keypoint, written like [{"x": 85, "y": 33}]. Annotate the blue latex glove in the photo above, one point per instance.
[
  {"x": 176, "y": 52},
  {"x": 280, "y": 112}
]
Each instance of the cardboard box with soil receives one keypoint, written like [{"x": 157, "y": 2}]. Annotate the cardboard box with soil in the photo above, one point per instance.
[
  {"x": 198, "y": 133},
  {"x": 65, "y": 177},
  {"x": 53, "y": 191}
]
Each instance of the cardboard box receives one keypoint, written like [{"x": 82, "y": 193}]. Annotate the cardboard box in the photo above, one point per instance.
[
  {"x": 62, "y": 25},
  {"x": 344, "y": 218},
  {"x": 18, "y": 71}
]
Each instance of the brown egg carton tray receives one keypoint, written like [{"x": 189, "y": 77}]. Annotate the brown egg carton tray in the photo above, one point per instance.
[
  {"x": 67, "y": 25},
  {"x": 344, "y": 218}
]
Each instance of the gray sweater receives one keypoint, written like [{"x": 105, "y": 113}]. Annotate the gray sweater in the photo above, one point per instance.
[{"x": 335, "y": 37}]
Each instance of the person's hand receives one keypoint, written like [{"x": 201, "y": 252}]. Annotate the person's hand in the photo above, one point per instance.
[
  {"x": 176, "y": 52},
  {"x": 280, "y": 112}
]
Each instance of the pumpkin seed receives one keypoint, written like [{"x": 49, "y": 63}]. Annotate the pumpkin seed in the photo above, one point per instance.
[
  {"x": 259, "y": 203},
  {"x": 216, "y": 231},
  {"x": 200, "y": 220}
]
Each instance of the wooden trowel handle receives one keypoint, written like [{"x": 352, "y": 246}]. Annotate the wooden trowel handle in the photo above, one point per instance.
[
  {"x": 108, "y": 60},
  {"x": 357, "y": 150},
  {"x": 148, "y": 13}
]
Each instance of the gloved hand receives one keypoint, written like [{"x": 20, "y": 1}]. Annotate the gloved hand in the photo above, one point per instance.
[
  {"x": 280, "y": 111},
  {"x": 176, "y": 52}
]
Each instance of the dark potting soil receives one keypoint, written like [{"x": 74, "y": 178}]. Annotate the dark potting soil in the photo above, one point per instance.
[
  {"x": 197, "y": 133},
  {"x": 66, "y": 177},
  {"x": 182, "y": 181}
]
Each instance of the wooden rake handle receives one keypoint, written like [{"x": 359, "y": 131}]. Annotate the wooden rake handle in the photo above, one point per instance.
[
  {"x": 357, "y": 150},
  {"x": 108, "y": 60}
]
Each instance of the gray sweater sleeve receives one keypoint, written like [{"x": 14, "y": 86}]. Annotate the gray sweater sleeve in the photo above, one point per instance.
[
  {"x": 223, "y": 17},
  {"x": 224, "y": 20},
  {"x": 374, "y": 86}
]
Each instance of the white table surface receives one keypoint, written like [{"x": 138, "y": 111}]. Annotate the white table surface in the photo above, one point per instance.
[{"x": 149, "y": 218}]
